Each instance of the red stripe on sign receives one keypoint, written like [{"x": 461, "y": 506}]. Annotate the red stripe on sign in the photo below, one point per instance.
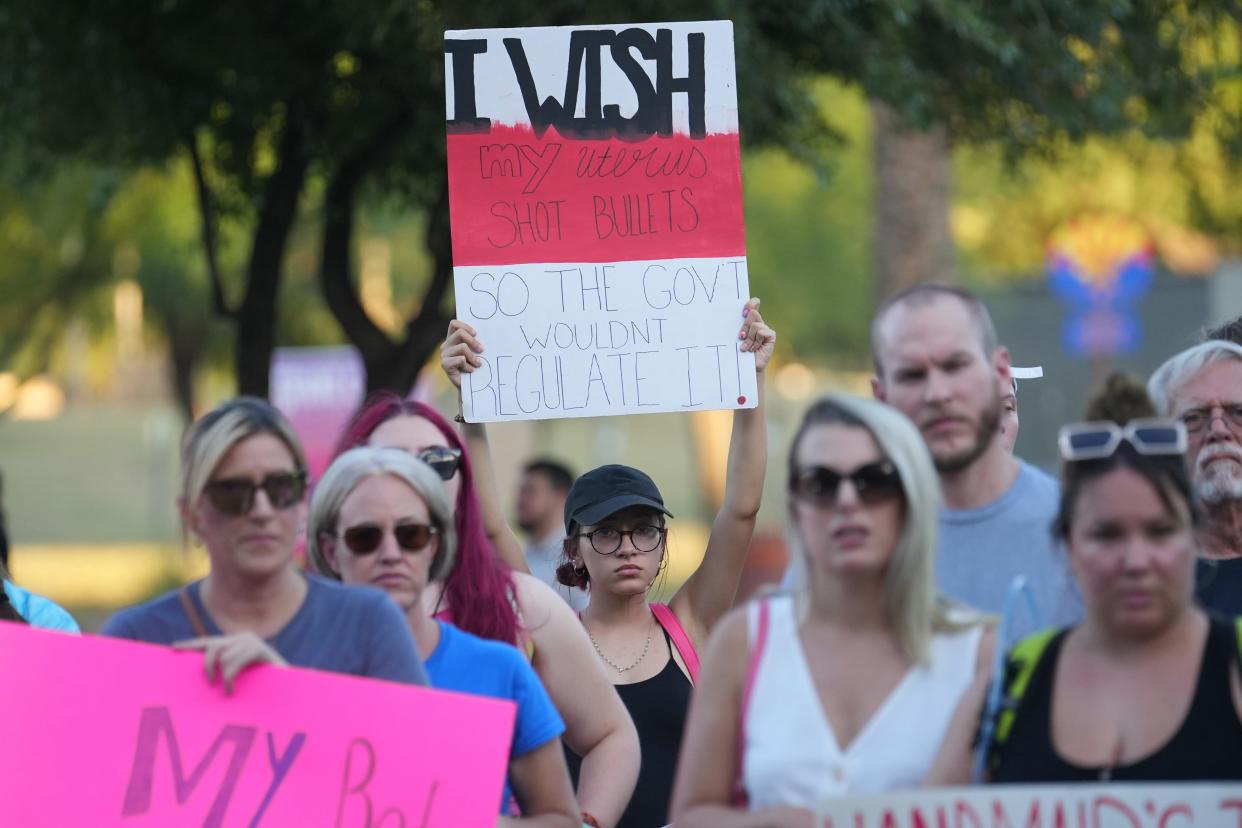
[{"x": 517, "y": 199}]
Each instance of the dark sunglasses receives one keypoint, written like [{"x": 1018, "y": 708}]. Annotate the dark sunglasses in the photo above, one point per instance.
[
  {"x": 367, "y": 537},
  {"x": 443, "y": 460},
  {"x": 235, "y": 495},
  {"x": 1095, "y": 440},
  {"x": 875, "y": 483}
]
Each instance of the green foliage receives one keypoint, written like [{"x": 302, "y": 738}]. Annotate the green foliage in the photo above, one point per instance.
[
  {"x": 1020, "y": 72},
  {"x": 133, "y": 83},
  {"x": 807, "y": 238},
  {"x": 55, "y": 264}
]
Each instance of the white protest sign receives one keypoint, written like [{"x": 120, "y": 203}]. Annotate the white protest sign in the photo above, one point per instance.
[
  {"x": 1147, "y": 805},
  {"x": 596, "y": 205}
]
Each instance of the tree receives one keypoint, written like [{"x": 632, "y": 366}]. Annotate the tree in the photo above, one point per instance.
[
  {"x": 1028, "y": 75},
  {"x": 278, "y": 106}
]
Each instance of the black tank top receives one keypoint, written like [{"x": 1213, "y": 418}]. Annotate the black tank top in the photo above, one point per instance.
[
  {"x": 1207, "y": 746},
  {"x": 658, "y": 707}
]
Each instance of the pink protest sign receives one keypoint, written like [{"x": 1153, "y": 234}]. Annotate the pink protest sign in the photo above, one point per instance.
[
  {"x": 318, "y": 389},
  {"x": 99, "y": 732}
]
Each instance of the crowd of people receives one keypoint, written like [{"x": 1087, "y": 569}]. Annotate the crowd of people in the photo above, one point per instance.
[{"x": 951, "y": 614}]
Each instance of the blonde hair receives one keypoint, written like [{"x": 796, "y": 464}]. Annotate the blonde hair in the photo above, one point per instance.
[
  {"x": 357, "y": 464},
  {"x": 211, "y": 436},
  {"x": 912, "y": 602}
]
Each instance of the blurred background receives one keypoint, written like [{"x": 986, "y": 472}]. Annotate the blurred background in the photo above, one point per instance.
[{"x": 198, "y": 200}]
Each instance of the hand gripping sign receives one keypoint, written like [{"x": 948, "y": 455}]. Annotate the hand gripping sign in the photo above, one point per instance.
[
  {"x": 100, "y": 732},
  {"x": 595, "y": 194}
]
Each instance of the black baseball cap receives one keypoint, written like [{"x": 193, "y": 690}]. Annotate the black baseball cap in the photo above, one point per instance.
[{"x": 609, "y": 489}]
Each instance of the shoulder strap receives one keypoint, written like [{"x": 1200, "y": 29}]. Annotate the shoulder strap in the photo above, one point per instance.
[
  {"x": 191, "y": 613},
  {"x": 1021, "y": 664},
  {"x": 666, "y": 618},
  {"x": 757, "y": 646}
]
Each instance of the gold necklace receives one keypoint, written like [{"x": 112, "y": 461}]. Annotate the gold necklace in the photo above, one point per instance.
[{"x": 614, "y": 665}]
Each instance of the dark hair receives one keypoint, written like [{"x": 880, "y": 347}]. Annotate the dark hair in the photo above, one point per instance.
[
  {"x": 1121, "y": 400},
  {"x": 558, "y": 474},
  {"x": 924, "y": 294},
  {"x": 480, "y": 588},
  {"x": 1230, "y": 332},
  {"x": 8, "y": 612},
  {"x": 566, "y": 573},
  {"x": 4, "y": 530}
]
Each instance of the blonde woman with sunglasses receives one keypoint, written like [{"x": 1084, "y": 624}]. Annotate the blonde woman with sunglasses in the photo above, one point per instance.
[
  {"x": 382, "y": 517},
  {"x": 848, "y": 686},
  {"x": 1147, "y": 687},
  {"x": 243, "y": 497}
]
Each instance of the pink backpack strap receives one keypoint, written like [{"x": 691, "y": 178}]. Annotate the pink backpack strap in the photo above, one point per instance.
[
  {"x": 740, "y": 797},
  {"x": 676, "y": 633}
]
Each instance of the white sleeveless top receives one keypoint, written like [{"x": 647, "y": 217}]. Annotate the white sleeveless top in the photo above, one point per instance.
[{"x": 791, "y": 756}]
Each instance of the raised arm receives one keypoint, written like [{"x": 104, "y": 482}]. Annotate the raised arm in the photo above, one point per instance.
[
  {"x": 710, "y": 590},
  {"x": 708, "y": 767},
  {"x": 460, "y": 355}
]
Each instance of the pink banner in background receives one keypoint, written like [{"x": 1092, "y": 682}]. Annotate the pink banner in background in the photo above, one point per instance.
[
  {"x": 99, "y": 732},
  {"x": 318, "y": 389}
]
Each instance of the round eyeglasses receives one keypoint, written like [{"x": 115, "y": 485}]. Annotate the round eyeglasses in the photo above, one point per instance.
[{"x": 607, "y": 539}]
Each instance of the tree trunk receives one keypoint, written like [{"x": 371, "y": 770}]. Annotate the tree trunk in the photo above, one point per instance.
[
  {"x": 256, "y": 317},
  {"x": 913, "y": 185},
  {"x": 185, "y": 345},
  {"x": 389, "y": 366},
  {"x": 425, "y": 332}
]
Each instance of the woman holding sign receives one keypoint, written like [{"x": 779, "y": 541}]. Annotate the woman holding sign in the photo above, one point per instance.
[
  {"x": 616, "y": 548},
  {"x": 1147, "y": 687},
  {"x": 243, "y": 496},
  {"x": 483, "y": 596},
  {"x": 381, "y": 517},
  {"x": 848, "y": 685}
]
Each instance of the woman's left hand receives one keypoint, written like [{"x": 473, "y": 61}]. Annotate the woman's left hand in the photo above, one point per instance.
[
  {"x": 756, "y": 336},
  {"x": 225, "y": 656}
]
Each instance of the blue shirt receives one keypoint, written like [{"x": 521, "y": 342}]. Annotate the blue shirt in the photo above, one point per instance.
[
  {"x": 342, "y": 629},
  {"x": 39, "y": 611},
  {"x": 469, "y": 664},
  {"x": 982, "y": 550}
]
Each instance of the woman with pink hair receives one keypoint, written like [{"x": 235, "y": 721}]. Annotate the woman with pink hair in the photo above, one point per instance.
[{"x": 485, "y": 596}]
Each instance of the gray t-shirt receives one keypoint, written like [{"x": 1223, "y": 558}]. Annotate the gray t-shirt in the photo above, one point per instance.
[
  {"x": 982, "y": 550},
  {"x": 341, "y": 629}
]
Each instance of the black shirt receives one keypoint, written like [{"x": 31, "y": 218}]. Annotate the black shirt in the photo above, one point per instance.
[
  {"x": 1206, "y": 747},
  {"x": 658, "y": 707},
  {"x": 1218, "y": 585}
]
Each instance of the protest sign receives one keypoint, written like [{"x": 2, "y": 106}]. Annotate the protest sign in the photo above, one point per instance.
[
  {"x": 1110, "y": 805},
  {"x": 101, "y": 732},
  {"x": 318, "y": 390},
  {"x": 595, "y": 195}
]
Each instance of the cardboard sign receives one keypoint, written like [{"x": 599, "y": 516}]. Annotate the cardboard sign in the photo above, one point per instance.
[
  {"x": 595, "y": 194},
  {"x": 1217, "y": 805},
  {"x": 100, "y": 732}
]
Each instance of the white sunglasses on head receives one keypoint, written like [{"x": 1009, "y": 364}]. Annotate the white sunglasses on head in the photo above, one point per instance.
[{"x": 1099, "y": 439}]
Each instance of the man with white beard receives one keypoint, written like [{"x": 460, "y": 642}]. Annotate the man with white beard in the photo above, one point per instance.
[{"x": 1202, "y": 386}]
